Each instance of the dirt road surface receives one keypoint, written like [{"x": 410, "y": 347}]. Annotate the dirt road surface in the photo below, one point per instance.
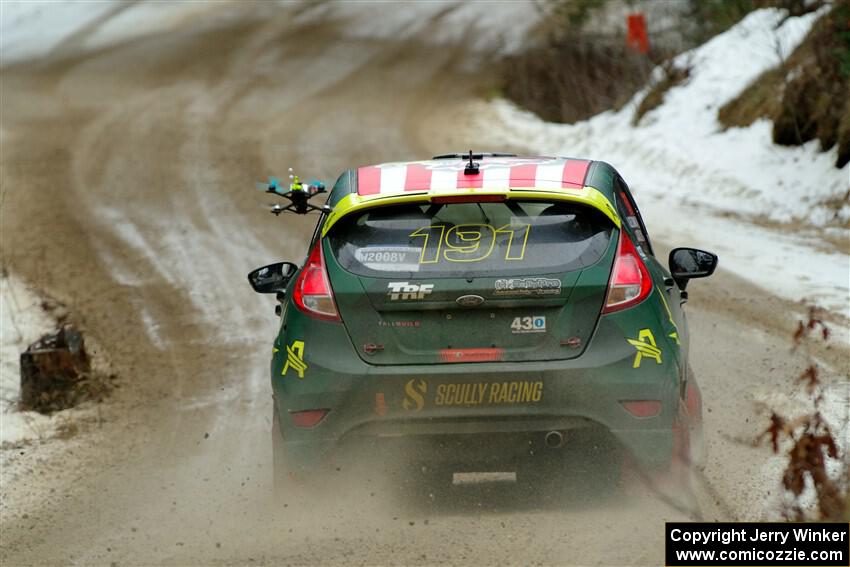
[{"x": 127, "y": 179}]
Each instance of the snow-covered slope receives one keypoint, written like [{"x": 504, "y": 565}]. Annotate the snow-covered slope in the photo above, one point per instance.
[{"x": 761, "y": 207}]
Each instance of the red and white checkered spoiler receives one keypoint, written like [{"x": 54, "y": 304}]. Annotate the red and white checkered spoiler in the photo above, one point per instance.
[{"x": 494, "y": 173}]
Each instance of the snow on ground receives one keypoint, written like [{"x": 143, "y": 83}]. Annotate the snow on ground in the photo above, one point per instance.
[
  {"x": 22, "y": 321},
  {"x": 143, "y": 18},
  {"x": 497, "y": 25},
  {"x": 30, "y": 29},
  {"x": 34, "y": 28},
  {"x": 733, "y": 184}
]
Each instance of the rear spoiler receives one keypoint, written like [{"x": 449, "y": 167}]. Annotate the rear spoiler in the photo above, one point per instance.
[{"x": 353, "y": 203}]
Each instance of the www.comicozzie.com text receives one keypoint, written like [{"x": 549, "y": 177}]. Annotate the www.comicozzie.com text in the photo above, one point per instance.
[{"x": 726, "y": 536}]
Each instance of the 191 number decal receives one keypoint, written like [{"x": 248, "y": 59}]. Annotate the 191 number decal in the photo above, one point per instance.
[{"x": 469, "y": 242}]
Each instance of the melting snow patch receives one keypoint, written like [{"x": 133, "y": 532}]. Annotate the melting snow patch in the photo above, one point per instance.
[{"x": 152, "y": 329}]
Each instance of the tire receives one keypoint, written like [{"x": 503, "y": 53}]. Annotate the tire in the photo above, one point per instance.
[
  {"x": 680, "y": 462},
  {"x": 282, "y": 476},
  {"x": 288, "y": 479},
  {"x": 693, "y": 403}
]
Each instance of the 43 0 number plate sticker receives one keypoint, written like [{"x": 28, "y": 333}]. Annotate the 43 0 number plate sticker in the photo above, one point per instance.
[{"x": 535, "y": 324}]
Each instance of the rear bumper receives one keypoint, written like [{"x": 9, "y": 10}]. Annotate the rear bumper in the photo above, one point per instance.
[
  {"x": 445, "y": 410},
  {"x": 498, "y": 451}
]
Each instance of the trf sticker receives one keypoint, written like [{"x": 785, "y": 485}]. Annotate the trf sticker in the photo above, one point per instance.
[
  {"x": 406, "y": 290},
  {"x": 645, "y": 345},
  {"x": 295, "y": 359}
]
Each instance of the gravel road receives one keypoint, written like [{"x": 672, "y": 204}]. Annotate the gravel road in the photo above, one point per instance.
[{"x": 127, "y": 179}]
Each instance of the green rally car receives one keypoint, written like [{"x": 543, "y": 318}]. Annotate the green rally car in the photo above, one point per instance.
[{"x": 481, "y": 312}]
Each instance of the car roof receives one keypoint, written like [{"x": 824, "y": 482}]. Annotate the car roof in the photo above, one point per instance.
[{"x": 447, "y": 174}]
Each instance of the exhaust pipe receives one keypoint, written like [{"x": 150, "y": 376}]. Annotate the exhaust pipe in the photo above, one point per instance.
[{"x": 554, "y": 439}]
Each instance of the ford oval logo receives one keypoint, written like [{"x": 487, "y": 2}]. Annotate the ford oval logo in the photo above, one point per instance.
[{"x": 469, "y": 300}]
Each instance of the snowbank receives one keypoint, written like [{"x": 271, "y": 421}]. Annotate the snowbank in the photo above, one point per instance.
[
  {"x": 761, "y": 207},
  {"x": 22, "y": 321}
]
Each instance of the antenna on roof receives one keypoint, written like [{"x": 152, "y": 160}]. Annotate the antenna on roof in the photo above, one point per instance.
[{"x": 471, "y": 166}]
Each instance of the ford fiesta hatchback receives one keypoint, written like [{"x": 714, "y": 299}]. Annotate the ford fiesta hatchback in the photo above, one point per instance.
[{"x": 482, "y": 312}]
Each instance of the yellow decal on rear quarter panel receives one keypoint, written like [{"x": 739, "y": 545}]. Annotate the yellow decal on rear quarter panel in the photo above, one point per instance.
[
  {"x": 675, "y": 333},
  {"x": 645, "y": 345},
  {"x": 295, "y": 359}
]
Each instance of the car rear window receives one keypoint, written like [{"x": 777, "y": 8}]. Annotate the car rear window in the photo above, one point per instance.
[{"x": 471, "y": 239}]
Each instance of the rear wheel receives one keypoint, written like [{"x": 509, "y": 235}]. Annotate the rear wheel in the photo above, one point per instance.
[
  {"x": 287, "y": 479},
  {"x": 688, "y": 447},
  {"x": 282, "y": 475},
  {"x": 693, "y": 405},
  {"x": 673, "y": 480},
  {"x": 680, "y": 463}
]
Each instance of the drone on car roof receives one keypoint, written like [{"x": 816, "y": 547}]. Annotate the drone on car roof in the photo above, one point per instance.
[{"x": 299, "y": 195}]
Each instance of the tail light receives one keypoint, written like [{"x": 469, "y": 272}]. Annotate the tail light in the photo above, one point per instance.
[
  {"x": 313, "y": 294},
  {"x": 630, "y": 281}
]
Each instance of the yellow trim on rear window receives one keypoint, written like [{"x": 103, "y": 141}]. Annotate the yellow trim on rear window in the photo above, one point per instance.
[{"x": 353, "y": 202}]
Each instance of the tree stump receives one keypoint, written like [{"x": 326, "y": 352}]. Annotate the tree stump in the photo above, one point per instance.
[{"x": 53, "y": 371}]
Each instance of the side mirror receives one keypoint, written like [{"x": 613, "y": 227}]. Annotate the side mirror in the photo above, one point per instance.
[
  {"x": 272, "y": 278},
  {"x": 688, "y": 263}
]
